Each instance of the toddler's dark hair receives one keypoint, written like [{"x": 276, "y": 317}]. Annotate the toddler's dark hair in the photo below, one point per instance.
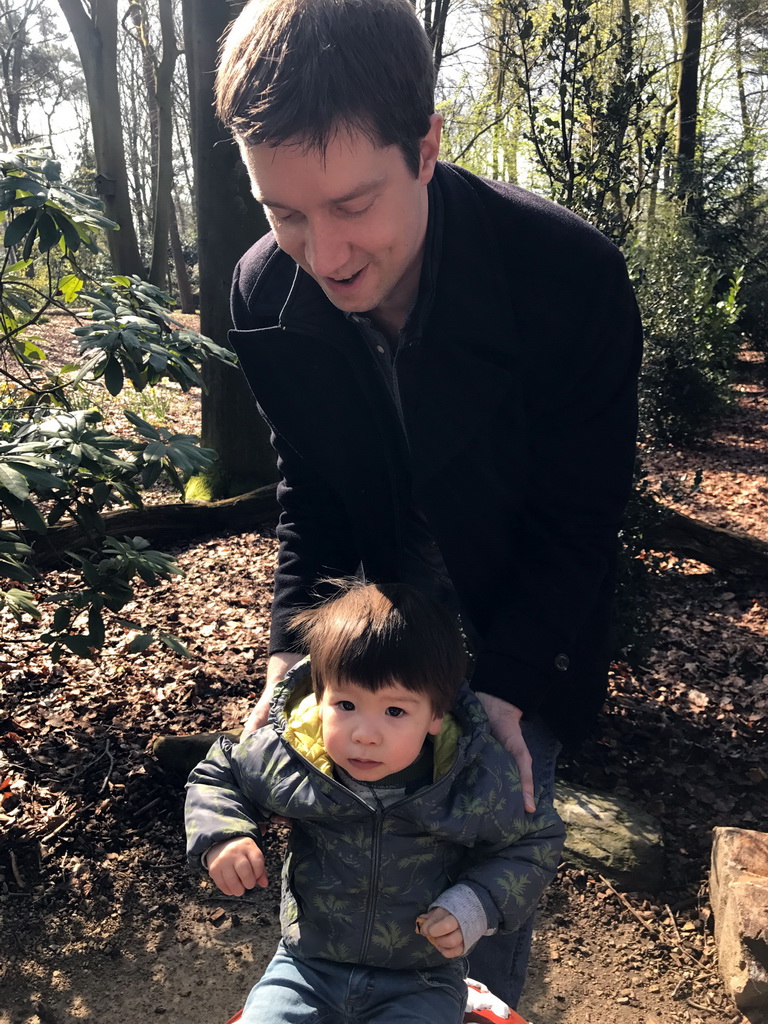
[{"x": 374, "y": 635}]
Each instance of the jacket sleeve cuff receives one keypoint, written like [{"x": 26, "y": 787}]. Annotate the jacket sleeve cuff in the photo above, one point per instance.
[{"x": 469, "y": 910}]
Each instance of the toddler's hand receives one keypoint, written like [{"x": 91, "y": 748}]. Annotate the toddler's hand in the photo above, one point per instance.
[
  {"x": 443, "y": 931},
  {"x": 236, "y": 865}
]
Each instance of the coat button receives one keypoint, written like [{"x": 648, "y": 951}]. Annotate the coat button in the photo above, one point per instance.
[{"x": 562, "y": 662}]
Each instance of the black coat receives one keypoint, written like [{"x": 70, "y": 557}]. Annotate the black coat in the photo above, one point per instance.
[{"x": 519, "y": 400}]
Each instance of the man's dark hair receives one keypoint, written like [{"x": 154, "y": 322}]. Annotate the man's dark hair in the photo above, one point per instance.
[
  {"x": 303, "y": 70},
  {"x": 374, "y": 635}
]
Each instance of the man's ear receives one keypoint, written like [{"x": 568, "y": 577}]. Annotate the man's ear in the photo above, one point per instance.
[{"x": 429, "y": 149}]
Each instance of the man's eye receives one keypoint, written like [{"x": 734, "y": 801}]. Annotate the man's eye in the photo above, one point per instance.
[
  {"x": 346, "y": 705},
  {"x": 355, "y": 213},
  {"x": 280, "y": 218},
  {"x": 395, "y": 712}
]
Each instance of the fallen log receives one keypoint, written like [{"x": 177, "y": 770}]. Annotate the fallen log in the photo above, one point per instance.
[
  {"x": 727, "y": 550},
  {"x": 163, "y": 524}
]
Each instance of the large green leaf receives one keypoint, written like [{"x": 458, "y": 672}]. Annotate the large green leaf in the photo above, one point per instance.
[
  {"x": 13, "y": 482},
  {"x": 22, "y": 183},
  {"x": 18, "y": 228},
  {"x": 96, "y": 632},
  {"x": 70, "y": 286},
  {"x": 141, "y": 643},
  {"x": 19, "y": 602},
  {"x": 48, "y": 232},
  {"x": 113, "y": 376},
  {"x": 12, "y": 569},
  {"x": 68, "y": 230},
  {"x": 175, "y": 645}
]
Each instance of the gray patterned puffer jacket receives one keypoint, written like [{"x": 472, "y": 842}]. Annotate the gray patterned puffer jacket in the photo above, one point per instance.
[{"x": 356, "y": 877}]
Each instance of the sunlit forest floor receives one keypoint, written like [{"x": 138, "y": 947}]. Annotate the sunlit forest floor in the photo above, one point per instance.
[{"x": 100, "y": 918}]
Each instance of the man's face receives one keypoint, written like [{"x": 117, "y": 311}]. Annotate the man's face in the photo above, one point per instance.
[
  {"x": 354, "y": 217},
  {"x": 374, "y": 734}
]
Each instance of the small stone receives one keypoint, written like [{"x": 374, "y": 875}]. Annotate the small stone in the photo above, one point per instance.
[{"x": 218, "y": 917}]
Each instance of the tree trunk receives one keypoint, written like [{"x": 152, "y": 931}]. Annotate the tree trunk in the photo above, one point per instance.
[
  {"x": 748, "y": 135},
  {"x": 12, "y": 59},
  {"x": 95, "y": 36},
  {"x": 658, "y": 156},
  {"x": 158, "y": 272},
  {"x": 228, "y": 222},
  {"x": 158, "y": 83},
  {"x": 435, "y": 20},
  {"x": 186, "y": 295},
  {"x": 688, "y": 103}
]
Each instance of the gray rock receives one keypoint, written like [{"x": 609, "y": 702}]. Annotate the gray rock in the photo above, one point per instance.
[
  {"x": 738, "y": 884},
  {"x": 611, "y": 835}
]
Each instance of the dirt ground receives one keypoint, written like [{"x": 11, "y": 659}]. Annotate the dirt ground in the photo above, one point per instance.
[{"x": 101, "y": 919}]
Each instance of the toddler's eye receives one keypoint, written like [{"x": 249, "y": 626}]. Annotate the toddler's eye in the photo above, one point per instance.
[
  {"x": 395, "y": 712},
  {"x": 346, "y": 705}
]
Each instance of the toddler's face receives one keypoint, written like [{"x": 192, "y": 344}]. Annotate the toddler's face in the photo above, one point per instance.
[{"x": 372, "y": 735}]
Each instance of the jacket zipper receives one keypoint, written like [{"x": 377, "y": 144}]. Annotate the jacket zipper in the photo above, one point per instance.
[{"x": 370, "y": 910}]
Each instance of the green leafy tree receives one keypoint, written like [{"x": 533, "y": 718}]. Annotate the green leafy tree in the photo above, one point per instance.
[
  {"x": 587, "y": 95},
  {"x": 58, "y": 462},
  {"x": 690, "y": 314}
]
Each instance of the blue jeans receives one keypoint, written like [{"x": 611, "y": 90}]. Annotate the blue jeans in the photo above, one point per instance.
[
  {"x": 294, "y": 991},
  {"x": 501, "y": 961}
]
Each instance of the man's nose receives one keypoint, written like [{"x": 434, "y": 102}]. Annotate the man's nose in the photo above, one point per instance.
[{"x": 326, "y": 250}]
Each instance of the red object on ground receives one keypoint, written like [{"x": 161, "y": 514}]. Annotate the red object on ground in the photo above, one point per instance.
[{"x": 484, "y": 1006}]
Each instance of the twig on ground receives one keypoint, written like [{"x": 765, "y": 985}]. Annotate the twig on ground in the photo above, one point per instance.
[
  {"x": 671, "y": 916},
  {"x": 147, "y": 807},
  {"x": 16, "y": 872},
  {"x": 700, "y": 1006},
  {"x": 681, "y": 946},
  {"x": 678, "y": 986},
  {"x": 109, "y": 770},
  {"x": 623, "y": 899},
  {"x": 64, "y": 823}
]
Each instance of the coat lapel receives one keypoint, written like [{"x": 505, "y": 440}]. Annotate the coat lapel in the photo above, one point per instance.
[{"x": 466, "y": 364}]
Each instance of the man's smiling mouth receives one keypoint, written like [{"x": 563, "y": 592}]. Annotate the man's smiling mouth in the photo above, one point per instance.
[{"x": 347, "y": 280}]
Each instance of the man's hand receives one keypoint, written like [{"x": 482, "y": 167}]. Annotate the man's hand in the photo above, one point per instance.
[
  {"x": 236, "y": 865},
  {"x": 505, "y": 726},
  {"x": 443, "y": 931},
  {"x": 277, "y": 666}
]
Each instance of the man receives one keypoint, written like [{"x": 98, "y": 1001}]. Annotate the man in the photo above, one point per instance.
[{"x": 448, "y": 366}]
